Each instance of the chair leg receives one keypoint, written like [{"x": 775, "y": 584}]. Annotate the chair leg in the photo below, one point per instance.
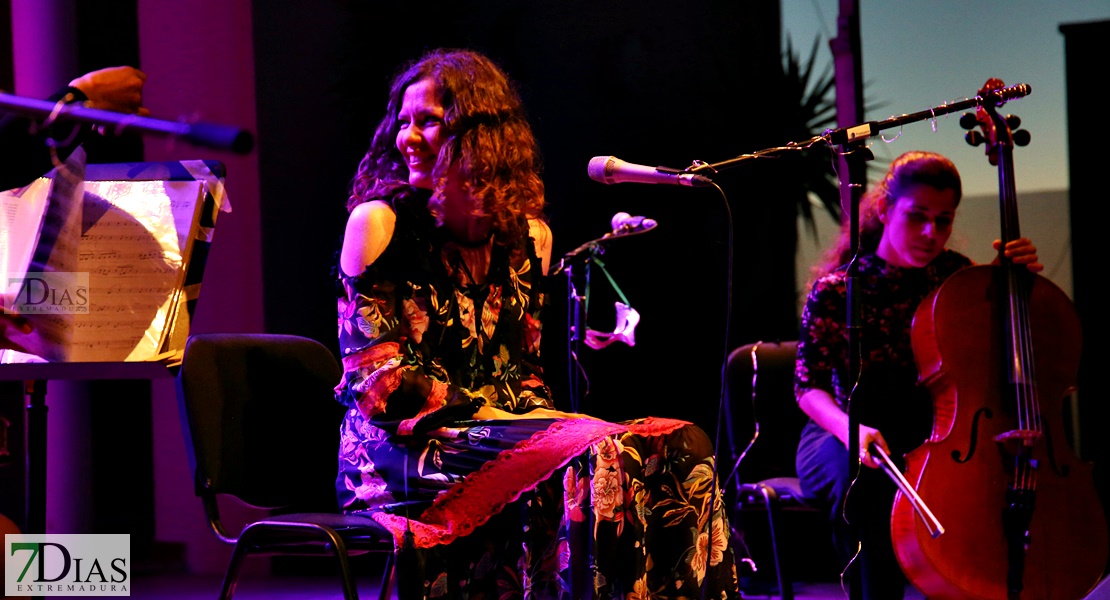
[
  {"x": 350, "y": 587},
  {"x": 231, "y": 576},
  {"x": 786, "y": 588},
  {"x": 386, "y": 591},
  {"x": 336, "y": 543}
]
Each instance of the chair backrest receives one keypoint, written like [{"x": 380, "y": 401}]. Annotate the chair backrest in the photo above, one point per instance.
[
  {"x": 772, "y": 407},
  {"x": 260, "y": 418}
]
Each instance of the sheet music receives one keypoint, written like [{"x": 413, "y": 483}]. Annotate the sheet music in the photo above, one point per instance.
[
  {"x": 132, "y": 242},
  {"x": 22, "y": 211},
  {"x": 126, "y": 242},
  {"x": 51, "y": 247}
]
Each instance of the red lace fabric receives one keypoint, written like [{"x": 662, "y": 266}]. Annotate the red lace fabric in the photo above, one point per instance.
[
  {"x": 437, "y": 399},
  {"x": 471, "y": 502}
]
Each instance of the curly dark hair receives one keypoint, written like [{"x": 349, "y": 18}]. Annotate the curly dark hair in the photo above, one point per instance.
[
  {"x": 911, "y": 168},
  {"x": 489, "y": 141}
]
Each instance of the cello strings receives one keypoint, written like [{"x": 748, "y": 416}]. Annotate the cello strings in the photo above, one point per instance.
[{"x": 1022, "y": 368}]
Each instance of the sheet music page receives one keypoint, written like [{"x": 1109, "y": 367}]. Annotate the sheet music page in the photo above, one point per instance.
[
  {"x": 46, "y": 287},
  {"x": 133, "y": 234},
  {"x": 23, "y": 211}
]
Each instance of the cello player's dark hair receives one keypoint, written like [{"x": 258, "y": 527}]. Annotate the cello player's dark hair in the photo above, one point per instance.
[{"x": 915, "y": 167}]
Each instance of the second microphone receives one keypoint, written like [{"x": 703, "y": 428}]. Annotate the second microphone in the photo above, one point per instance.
[{"x": 610, "y": 169}]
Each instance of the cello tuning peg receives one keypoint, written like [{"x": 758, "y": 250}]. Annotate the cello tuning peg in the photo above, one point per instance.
[
  {"x": 974, "y": 137},
  {"x": 969, "y": 121},
  {"x": 1013, "y": 122},
  {"x": 1021, "y": 137}
]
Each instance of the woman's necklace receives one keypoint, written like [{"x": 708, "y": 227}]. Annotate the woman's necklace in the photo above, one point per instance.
[{"x": 471, "y": 260}]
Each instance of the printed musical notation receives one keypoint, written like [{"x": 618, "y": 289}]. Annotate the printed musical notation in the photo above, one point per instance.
[
  {"x": 22, "y": 211},
  {"x": 133, "y": 238},
  {"x": 127, "y": 242},
  {"x": 129, "y": 238},
  {"x": 43, "y": 238}
]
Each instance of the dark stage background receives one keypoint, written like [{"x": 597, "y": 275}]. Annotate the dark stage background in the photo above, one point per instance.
[
  {"x": 649, "y": 84},
  {"x": 653, "y": 83}
]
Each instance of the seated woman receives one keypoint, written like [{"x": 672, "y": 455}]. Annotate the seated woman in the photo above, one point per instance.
[
  {"x": 906, "y": 221},
  {"x": 451, "y": 439}
]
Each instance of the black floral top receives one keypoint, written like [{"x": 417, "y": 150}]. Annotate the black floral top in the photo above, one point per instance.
[
  {"x": 416, "y": 340},
  {"x": 888, "y": 298}
]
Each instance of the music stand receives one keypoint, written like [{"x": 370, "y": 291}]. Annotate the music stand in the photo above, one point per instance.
[{"x": 36, "y": 374}]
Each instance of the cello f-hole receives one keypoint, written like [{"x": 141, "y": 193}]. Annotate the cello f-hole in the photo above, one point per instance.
[{"x": 982, "y": 413}]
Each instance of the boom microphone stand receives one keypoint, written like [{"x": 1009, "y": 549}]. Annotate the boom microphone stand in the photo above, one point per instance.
[{"x": 201, "y": 134}]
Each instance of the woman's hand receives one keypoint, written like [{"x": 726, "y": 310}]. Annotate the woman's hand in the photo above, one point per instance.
[
  {"x": 1021, "y": 252},
  {"x": 821, "y": 407},
  {"x": 118, "y": 89},
  {"x": 868, "y": 436}
]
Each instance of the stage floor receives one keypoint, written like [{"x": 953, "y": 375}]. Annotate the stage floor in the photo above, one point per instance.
[{"x": 186, "y": 587}]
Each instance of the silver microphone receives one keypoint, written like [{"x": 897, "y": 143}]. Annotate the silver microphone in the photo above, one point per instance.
[{"x": 610, "y": 169}]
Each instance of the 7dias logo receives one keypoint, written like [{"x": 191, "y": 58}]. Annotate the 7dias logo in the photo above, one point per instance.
[
  {"x": 67, "y": 565},
  {"x": 56, "y": 292}
]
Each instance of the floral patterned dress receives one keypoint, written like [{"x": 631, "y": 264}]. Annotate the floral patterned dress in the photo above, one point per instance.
[{"x": 522, "y": 507}]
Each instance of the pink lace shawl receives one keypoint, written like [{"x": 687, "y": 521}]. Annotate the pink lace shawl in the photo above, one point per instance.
[{"x": 471, "y": 502}]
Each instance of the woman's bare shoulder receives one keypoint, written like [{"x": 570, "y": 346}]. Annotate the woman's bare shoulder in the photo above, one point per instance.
[{"x": 369, "y": 228}]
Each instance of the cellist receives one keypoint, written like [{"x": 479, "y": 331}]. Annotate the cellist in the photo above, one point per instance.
[{"x": 905, "y": 223}]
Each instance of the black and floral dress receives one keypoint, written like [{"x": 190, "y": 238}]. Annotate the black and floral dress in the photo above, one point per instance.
[{"x": 522, "y": 507}]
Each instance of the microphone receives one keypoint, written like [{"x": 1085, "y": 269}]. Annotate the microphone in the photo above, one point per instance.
[
  {"x": 610, "y": 169},
  {"x": 623, "y": 222}
]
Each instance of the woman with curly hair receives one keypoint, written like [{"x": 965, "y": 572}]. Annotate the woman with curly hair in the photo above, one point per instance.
[
  {"x": 451, "y": 439},
  {"x": 905, "y": 222}
]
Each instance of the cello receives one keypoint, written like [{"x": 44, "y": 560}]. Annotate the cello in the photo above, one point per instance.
[{"x": 998, "y": 347}]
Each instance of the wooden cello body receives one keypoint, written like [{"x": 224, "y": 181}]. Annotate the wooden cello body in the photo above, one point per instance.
[
  {"x": 965, "y": 474},
  {"x": 999, "y": 349}
]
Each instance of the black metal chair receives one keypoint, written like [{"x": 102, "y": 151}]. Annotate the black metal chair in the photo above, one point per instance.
[
  {"x": 762, "y": 409},
  {"x": 262, "y": 426}
]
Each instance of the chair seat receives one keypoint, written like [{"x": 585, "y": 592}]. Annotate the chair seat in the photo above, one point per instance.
[
  {"x": 312, "y": 533},
  {"x": 361, "y": 530},
  {"x": 337, "y": 521},
  {"x": 786, "y": 490}
]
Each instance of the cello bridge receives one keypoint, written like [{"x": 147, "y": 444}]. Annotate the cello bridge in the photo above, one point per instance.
[{"x": 1026, "y": 436}]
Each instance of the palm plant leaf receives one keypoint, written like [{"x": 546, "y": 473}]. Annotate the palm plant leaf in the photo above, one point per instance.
[{"x": 812, "y": 96}]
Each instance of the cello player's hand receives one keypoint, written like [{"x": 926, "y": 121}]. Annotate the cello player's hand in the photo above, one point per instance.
[
  {"x": 1021, "y": 252},
  {"x": 868, "y": 436},
  {"x": 823, "y": 409}
]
